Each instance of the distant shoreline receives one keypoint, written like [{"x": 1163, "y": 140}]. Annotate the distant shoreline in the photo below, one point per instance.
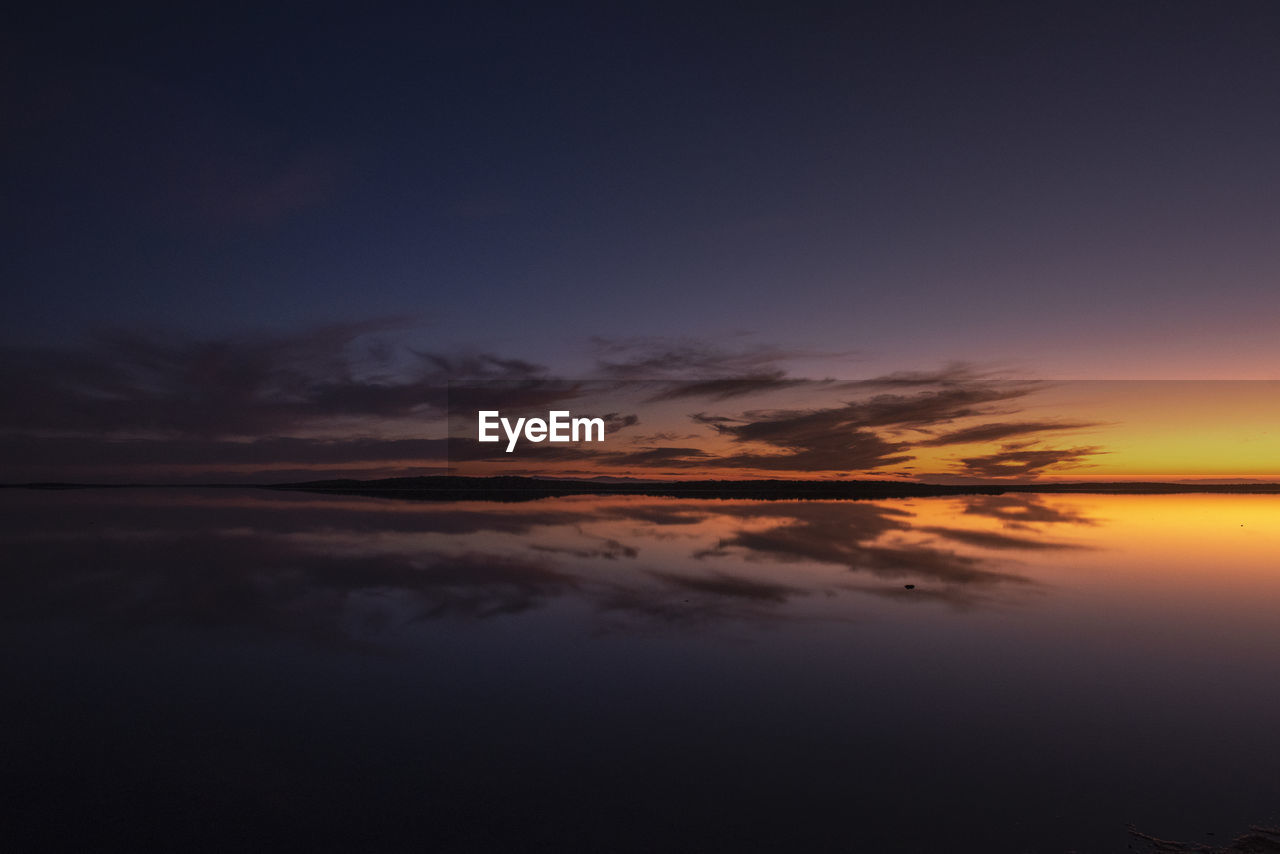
[{"x": 449, "y": 488}]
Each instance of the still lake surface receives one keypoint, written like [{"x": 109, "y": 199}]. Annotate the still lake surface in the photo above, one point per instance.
[{"x": 247, "y": 670}]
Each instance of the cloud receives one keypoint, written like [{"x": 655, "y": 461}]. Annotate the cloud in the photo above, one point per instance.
[
  {"x": 663, "y": 436},
  {"x": 840, "y": 438},
  {"x": 333, "y": 395},
  {"x": 519, "y": 397},
  {"x": 19, "y": 450},
  {"x": 467, "y": 449},
  {"x": 683, "y": 369},
  {"x": 613, "y": 421},
  {"x": 950, "y": 374},
  {"x": 785, "y": 427},
  {"x": 1003, "y": 430},
  {"x": 468, "y": 367},
  {"x": 724, "y": 389},
  {"x": 661, "y": 456},
  {"x": 1025, "y": 462},
  {"x": 353, "y": 395},
  {"x": 253, "y": 385},
  {"x": 854, "y": 450},
  {"x": 653, "y": 358},
  {"x": 246, "y": 385}
]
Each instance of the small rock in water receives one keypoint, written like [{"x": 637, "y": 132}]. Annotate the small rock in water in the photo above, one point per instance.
[{"x": 909, "y": 586}]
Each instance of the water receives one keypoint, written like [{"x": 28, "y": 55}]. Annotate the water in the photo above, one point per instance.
[{"x": 245, "y": 670}]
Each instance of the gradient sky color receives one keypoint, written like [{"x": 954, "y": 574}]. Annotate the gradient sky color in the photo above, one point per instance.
[{"x": 1074, "y": 191}]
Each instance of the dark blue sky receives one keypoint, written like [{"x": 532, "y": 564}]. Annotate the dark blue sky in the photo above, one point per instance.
[{"x": 1083, "y": 188}]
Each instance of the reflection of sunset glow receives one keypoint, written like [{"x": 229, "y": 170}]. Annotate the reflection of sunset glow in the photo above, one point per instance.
[
  {"x": 1204, "y": 540},
  {"x": 1050, "y": 617},
  {"x": 733, "y": 558}
]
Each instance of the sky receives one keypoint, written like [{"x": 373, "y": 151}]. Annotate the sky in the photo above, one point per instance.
[{"x": 228, "y": 231}]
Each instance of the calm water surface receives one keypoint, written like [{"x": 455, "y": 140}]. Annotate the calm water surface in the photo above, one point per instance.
[{"x": 239, "y": 671}]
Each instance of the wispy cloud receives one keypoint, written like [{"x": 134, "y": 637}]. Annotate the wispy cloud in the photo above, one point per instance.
[
  {"x": 724, "y": 389},
  {"x": 852, "y": 436},
  {"x": 253, "y": 385},
  {"x": 652, "y": 358},
  {"x": 1026, "y": 462},
  {"x": 1003, "y": 430},
  {"x": 243, "y": 386},
  {"x": 356, "y": 395}
]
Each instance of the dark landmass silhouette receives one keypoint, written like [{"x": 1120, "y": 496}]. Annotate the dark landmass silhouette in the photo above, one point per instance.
[{"x": 510, "y": 488}]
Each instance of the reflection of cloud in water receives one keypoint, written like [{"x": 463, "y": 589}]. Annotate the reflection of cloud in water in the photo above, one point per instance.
[
  {"x": 229, "y": 579},
  {"x": 955, "y": 596},
  {"x": 1024, "y": 511},
  {"x": 693, "y": 600},
  {"x": 609, "y": 549},
  {"x": 723, "y": 584},
  {"x": 854, "y": 536},
  {"x": 357, "y": 571},
  {"x": 995, "y": 540}
]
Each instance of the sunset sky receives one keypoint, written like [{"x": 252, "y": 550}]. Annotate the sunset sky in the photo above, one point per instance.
[{"x": 932, "y": 240}]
